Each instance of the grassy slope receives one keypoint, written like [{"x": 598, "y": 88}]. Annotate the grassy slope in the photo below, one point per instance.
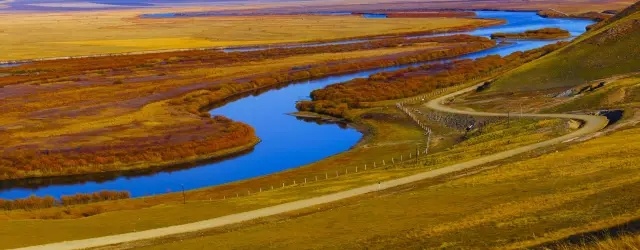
[
  {"x": 17, "y": 231},
  {"x": 578, "y": 188},
  {"x": 610, "y": 50},
  {"x": 631, "y": 242},
  {"x": 515, "y": 205}
]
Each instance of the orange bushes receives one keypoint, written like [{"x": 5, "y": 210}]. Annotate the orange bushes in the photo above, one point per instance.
[
  {"x": 35, "y": 202},
  {"x": 180, "y": 144},
  {"x": 68, "y": 200},
  {"x": 193, "y": 138},
  {"x": 430, "y": 14},
  {"x": 545, "y": 33},
  {"x": 336, "y": 99},
  {"x": 461, "y": 44},
  {"x": 39, "y": 71},
  {"x": 32, "y": 202}
]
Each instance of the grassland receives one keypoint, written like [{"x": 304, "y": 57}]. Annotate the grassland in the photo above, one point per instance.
[
  {"x": 47, "y": 35},
  {"x": 607, "y": 51},
  {"x": 561, "y": 192},
  {"x": 624, "y": 242},
  {"x": 121, "y": 113},
  {"x": 392, "y": 134},
  {"x": 567, "y": 6},
  {"x": 528, "y": 202},
  {"x": 512, "y": 205}
]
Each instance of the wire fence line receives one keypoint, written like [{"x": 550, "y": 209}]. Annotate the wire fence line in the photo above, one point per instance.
[
  {"x": 403, "y": 161},
  {"x": 409, "y": 160}
]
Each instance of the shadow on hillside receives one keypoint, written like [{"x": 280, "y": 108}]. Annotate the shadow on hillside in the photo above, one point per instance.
[{"x": 590, "y": 237}]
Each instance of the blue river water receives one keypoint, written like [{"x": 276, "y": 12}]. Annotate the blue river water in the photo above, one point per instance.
[{"x": 287, "y": 142}]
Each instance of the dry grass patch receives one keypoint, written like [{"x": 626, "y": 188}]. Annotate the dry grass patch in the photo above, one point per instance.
[
  {"x": 116, "y": 32},
  {"x": 165, "y": 210},
  {"x": 579, "y": 188}
]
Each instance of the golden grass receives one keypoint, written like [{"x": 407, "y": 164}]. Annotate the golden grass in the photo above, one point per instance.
[
  {"x": 149, "y": 117},
  {"x": 600, "y": 53},
  {"x": 626, "y": 242},
  {"x": 581, "y": 187},
  {"x": 67, "y": 34},
  {"x": 271, "y": 65},
  {"x": 158, "y": 211}
]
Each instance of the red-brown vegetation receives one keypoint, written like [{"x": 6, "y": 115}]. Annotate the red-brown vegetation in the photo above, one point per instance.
[
  {"x": 336, "y": 99},
  {"x": 173, "y": 145},
  {"x": 545, "y": 33},
  {"x": 188, "y": 133},
  {"x": 76, "y": 199},
  {"x": 430, "y": 14},
  {"x": 316, "y": 71},
  {"x": 35, "y": 202}
]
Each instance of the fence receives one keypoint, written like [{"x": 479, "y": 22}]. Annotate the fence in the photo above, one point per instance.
[{"x": 406, "y": 160}]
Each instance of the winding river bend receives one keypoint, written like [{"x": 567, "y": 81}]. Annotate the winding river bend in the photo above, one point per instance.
[{"x": 287, "y": 141}]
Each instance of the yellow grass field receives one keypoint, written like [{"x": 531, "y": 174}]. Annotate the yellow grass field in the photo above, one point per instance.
[
  {"x": 58, "y": 121},
  {"x": 28, "y": 36},
  {"x": 390, "y": 139},
  {"x": 513, "y": 206}
]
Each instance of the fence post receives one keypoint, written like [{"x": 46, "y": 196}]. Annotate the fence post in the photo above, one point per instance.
[
  {"x": 237, "y": 195},
  {"x": 294, "y": 182},
  {"x": 400, "y": 158},
  {"x": 393, "y": 161},
  {"x": 248, "y": 192},
  {"x": 283, "y": 184},
  {"x": 365, "y": 167},
  {"x": 374, "y": 164},
  {"x": 346, "y": 170},
  {"x": 271, "y": 187},
  {"x": 316, "y": 178},
  {"x": 260, "y": 190},
  {"x": 356, "y": 169},
  {"x": 336, "y": 173},
  {"x": 326, "y": 176},
  {"x": 305, "y": 180},
  {"x": 383, "y": 163}
]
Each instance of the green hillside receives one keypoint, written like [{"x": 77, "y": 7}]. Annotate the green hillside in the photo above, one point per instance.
[{"x": 611, "y": 48}]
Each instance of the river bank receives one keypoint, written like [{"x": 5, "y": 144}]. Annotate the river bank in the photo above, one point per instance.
[{"x": 267, "y": 158}]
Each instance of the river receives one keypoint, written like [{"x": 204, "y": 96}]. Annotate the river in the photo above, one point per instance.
[{"x": 287, "y": 142}]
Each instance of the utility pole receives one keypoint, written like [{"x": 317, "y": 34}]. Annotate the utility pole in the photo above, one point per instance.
[
  {"x": 426, "y": 150},
  {"x": 417, "y": 153},
  {"x": 184, "y": 197},
  {"x": 521, "y": 110}
]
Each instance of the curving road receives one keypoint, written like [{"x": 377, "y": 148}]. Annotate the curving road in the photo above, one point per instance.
[{"x": 591, "y": 124}]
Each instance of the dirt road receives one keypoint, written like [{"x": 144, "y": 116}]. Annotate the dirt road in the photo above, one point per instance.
[{"x": 591, "y": 125}]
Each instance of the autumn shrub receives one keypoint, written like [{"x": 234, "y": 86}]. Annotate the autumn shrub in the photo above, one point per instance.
[
  {"x": 35, "y": 202},
  {"x": 335, "y": 99},
  {"x": 95, "y": 197},
  {"x": 30, "y": 203}
]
